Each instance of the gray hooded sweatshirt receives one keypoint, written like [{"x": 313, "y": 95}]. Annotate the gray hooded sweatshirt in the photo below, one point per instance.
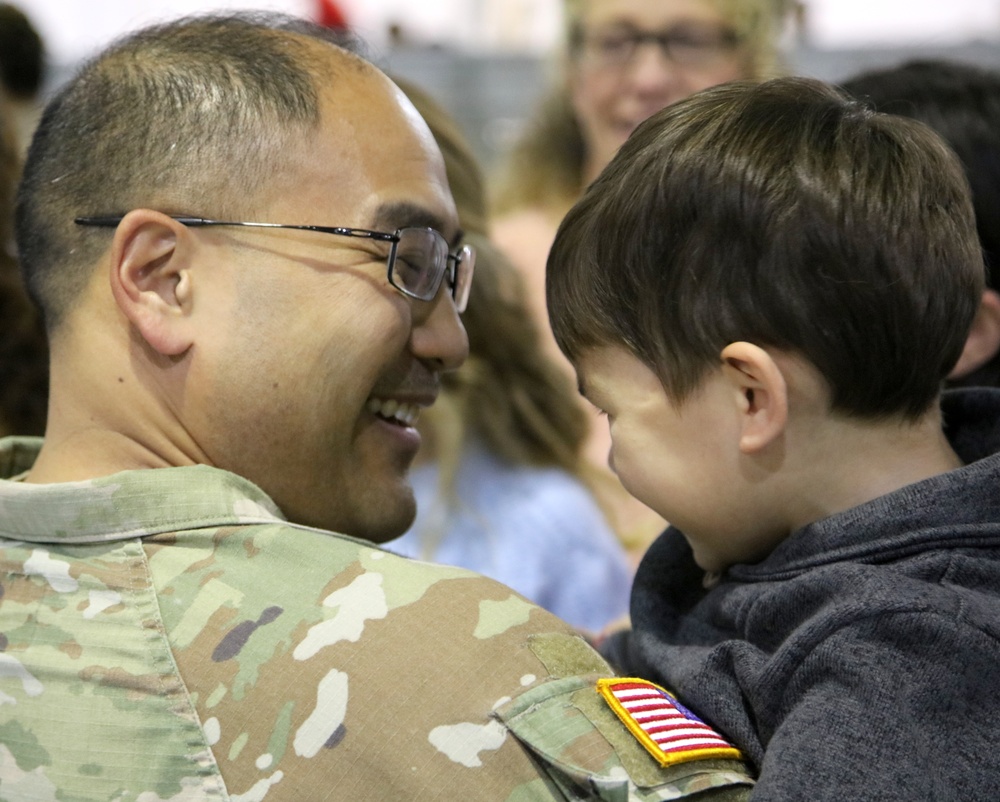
[{"x": 861, "y": 659}]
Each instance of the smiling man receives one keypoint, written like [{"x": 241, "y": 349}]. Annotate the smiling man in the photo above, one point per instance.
[{"x": 249, "y": 262}]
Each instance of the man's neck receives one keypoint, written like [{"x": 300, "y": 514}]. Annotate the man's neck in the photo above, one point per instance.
[
  {"x": 85, "y": 441},
  {"x": 89, "y": 456}
]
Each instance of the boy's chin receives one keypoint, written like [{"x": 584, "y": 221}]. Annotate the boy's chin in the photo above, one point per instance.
[{"x": 710, "y": 563}]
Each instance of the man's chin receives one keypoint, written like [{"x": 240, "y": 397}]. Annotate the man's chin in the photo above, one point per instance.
[
  {"x": 387, "y": 520},
  {"x": 376, "y": 514}
]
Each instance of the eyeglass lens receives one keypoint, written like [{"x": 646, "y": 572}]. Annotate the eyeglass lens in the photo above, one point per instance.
[
  {"x": 421, "y": 259},
  {"x": 685, "y": 45},
  {"x": 421, "y": 256}
]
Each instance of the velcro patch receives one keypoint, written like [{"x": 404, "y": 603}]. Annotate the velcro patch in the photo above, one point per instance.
[{"x": 670, "y": 732}]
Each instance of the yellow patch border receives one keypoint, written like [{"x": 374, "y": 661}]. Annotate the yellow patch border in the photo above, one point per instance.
[{"x": 604, "y": 687}]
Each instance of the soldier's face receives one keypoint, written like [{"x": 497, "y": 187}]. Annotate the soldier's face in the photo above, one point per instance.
[{"x": 322, "y": 366}]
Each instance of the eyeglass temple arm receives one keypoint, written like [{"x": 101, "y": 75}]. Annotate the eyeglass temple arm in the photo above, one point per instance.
[{"x": 110, "y": 221}]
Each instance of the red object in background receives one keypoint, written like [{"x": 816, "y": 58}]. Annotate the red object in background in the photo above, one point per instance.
[{"x": 329, "y": 15}]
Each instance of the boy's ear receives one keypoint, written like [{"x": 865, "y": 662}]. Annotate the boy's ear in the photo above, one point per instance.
[
  {"x": 983, "y": 341},
  {"x": 151, "y": 279},
  {"x": 760, "y": 391}
]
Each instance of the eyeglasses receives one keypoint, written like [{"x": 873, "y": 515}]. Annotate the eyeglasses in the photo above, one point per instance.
[
  {"x": 418, "y": 260},
  {"x": 686, "y": 46}
]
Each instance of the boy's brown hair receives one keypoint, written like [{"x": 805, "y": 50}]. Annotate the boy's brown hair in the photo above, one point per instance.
[{"x": 783, "y": 214}]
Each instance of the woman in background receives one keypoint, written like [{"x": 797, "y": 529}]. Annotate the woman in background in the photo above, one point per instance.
[
  {"x": 623, "y": 61},
  {"x": 499, "y": 483}
]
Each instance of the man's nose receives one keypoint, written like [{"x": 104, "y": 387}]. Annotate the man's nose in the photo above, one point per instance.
[{"x": 438, "y": 335}]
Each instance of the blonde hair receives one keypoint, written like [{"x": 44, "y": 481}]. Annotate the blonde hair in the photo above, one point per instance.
[
  {"x": 545, "y": 166},
  {"x": 509, "y": 394}
]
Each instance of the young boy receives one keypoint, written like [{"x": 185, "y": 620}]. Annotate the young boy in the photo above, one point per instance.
[{"x": 763, "y": 292}]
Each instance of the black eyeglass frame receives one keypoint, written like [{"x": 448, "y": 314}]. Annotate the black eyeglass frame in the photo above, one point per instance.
[
  {"x": 466, "y": 254},
  {"x": 669, "y": 42}
]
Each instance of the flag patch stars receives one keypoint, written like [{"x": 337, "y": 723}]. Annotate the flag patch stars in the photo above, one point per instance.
[{"x": 670, "y": 732}]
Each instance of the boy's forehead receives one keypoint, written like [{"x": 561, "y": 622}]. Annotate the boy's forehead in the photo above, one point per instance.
[{"x": 600, "y": 368}]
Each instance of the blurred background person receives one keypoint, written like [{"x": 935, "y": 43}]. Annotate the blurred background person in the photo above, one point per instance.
[
  {"x": 961, "y": 102},
  {"x": 624, "y": 60},
  {"x": 22, "y": 71},
  {"x": 499, "y": 482},
  {"x": 24, "y": 362}
]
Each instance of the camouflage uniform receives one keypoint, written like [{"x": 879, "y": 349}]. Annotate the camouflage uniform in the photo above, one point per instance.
[{"x": 168, "y": 635}]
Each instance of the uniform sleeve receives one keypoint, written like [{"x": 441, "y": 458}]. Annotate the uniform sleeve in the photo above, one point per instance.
[
  {"x": 586, "y": 752},
  {"x": 898, "y": 707},
  {"x": 385, "y": 678}
]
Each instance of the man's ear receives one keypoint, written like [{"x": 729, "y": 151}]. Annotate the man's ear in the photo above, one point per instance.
[
  {"x": 760, "y": 392},
  {"x": 983, "y": 341},
  {"x": 151, "y": 279}
]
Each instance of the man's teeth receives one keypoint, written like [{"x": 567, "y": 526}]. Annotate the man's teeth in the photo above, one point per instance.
[{"x": 406, "y": 414}]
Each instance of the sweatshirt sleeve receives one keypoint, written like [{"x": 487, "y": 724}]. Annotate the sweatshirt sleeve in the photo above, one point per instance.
[{"x": 890, "y": 707}]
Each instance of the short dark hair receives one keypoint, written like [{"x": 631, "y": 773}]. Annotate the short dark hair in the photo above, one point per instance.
[
  {"x": 785, "y": 214},
  {"x": 189, "y": 116},
  {"x": 961, "y": 102}
]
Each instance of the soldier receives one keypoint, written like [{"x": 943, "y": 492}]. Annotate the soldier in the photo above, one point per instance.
[{"x": 251, "y": 272}]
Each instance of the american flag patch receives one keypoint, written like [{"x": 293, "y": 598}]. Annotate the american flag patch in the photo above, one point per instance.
[{"x": 670, "y": 732}]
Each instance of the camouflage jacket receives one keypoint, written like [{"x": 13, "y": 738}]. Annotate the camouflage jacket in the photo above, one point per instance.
[{"x": 167, "y": 635}]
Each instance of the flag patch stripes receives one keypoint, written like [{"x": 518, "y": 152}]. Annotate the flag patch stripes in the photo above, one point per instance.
[{"x": 669, "y": 731}]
